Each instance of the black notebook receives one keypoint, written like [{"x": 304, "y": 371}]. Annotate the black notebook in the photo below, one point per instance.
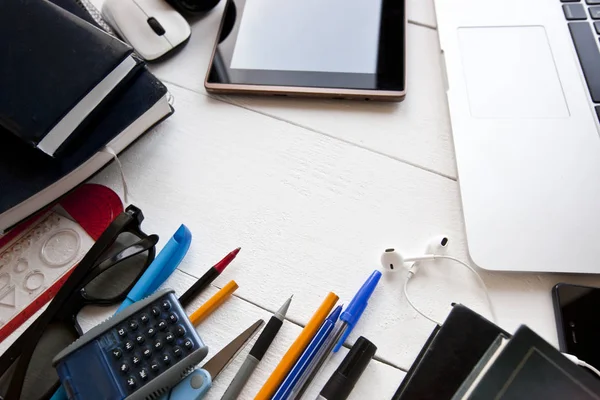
[
  {"x": 57, "y": 72},
  {"x": 449, "y": 356},
  {"x": 526, "y": 368},
  {"x": 30, "y": 180}
]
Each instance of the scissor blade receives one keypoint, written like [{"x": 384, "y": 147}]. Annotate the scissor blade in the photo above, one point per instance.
[{"x": 215, "y": 365}]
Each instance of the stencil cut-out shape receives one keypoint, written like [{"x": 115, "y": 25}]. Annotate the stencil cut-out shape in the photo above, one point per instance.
[
  {"x": 61, "y": 248},
  {"x": 9, "y": 298},
  {"x": 34, "y": 280}
]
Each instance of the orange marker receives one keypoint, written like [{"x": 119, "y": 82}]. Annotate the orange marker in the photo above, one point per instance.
[
  {"x": 296, "y": 349},
  {"x": 213, "y": 303}
]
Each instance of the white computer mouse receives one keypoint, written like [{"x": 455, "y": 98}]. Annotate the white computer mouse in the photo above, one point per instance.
[{"x": 151, "y": 27}]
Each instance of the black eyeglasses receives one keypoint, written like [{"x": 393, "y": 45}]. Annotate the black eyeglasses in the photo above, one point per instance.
[{"x": 103, "y": 277}]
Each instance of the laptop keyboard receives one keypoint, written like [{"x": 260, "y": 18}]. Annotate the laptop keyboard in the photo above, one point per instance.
[{"x": 584, "y": 25}]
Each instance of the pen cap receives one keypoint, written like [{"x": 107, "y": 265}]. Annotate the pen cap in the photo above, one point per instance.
[
  {"x": 343, "y": 380},
  {"x": 357, "y": 306}
]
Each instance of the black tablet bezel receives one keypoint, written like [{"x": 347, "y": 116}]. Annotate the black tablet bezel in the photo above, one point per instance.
[{"x": 390, "y": 75}]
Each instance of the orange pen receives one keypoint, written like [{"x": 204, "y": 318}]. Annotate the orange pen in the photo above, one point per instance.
[
  {"x": 296, "y": 349},
  {"x": 213, "y": 303}
]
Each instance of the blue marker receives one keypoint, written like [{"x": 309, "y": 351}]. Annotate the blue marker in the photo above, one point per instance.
[
  {"x": 157, "y": 273},
  {"x": 307, "y": 356},
  {"x": 161, "y": 268},
  {"x": 357, "y": 306}
]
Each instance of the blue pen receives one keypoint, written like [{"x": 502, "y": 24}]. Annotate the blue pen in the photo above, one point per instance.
[
  {"x": 307, "y": 356},
  {"x": 357, "y": 306},
  {"x": 157, "y": 273}
]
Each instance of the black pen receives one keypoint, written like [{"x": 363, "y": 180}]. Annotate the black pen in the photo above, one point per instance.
[
  {"x": 341, "y": 383},
  {"x": 256, "y": 354}
]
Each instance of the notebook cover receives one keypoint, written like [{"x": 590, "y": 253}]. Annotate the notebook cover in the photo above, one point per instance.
[
  {"x": 25, "y": 171},
  {"x": 531, "y": 368},
  {"x": 51, "y": 60},
  {"x": 449, "y": 355}
]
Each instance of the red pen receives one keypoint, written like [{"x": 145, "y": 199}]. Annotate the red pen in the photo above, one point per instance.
[{"x": 207, "y": 278}]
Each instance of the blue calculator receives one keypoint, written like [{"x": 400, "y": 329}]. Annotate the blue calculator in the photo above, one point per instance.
[{"x": 139, "y": 353}]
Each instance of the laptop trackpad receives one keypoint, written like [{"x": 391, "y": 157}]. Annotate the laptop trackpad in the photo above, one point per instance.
[{"x": 510, "y": 73}]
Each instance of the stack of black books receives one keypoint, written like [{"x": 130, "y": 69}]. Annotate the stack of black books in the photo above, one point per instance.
[
  {"x": 470, "y": 358},
  {"x": 67, "y": 90}
]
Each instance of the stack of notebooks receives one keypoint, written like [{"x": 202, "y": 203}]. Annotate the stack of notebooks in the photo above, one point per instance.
[
  {"x": 469, "y": 357},
  {"x": 68, "y": 89}
]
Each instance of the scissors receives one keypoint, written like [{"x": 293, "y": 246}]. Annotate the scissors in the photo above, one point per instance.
[{"x": 196, "y": 385}]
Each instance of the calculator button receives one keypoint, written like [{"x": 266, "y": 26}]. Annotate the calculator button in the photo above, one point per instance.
[
  {"x": 128, "y": 345},
  {"x": 155, "y": 312},
  {"x": 162, "y": 324},
  {"x": 131, "y": 382},
  {"x": 166, "y": 305},
  {"x": 147, "y": 352},
  {"x": 158, "y": 345},
  {"x": 117, "y": 353},
  {"x": 124, "y": 367},
  {"x": 136, "y": 359},
  {"x": 140, "y": 339},
  {"x": 188, "y": 344},
  {"x": 151, "y": 331},
  {"x": 177, "y": 352},
  {"x": 155, "y": 366},
  {"x": 166, "y": 359},
  {"x": 144, "y": 318},
  {"x": 179, "y": 330},
  {"x": 122, "y": 332},
  {"x": 143, "y": 374},
  {"x": 133, "y": 325},
  {"x": 169, "y": 337},
  {"x": 173, "y": 318}
]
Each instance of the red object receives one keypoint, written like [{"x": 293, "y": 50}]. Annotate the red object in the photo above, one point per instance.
[
  {"x": 93, "y": 207},
  {"x": 221, "y": 265}
]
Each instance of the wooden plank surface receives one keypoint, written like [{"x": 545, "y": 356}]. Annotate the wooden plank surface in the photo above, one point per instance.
[{"x": 311, "y": 213}]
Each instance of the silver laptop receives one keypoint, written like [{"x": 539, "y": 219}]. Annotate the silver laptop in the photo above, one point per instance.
[{"x": 524, "y": 93}]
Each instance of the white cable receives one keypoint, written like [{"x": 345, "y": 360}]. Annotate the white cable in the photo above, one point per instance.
[
  {"x": 110, "y": 151},
  {"x": 410, "y": 275},
  {"x": 481, "y": 282},
  {"x": 582, "y": 363}
]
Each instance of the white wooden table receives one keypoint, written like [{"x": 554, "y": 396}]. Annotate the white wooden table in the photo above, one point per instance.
[{"x": 313, "y": 191}]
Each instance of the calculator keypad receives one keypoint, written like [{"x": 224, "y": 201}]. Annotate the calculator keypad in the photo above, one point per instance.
[{"x": 149, "y": 343}]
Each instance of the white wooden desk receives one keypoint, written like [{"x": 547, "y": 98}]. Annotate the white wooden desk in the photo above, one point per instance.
[{"x": 313, "y": 191}]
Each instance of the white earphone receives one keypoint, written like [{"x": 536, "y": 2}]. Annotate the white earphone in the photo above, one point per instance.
[{"x": 393, "y": 261}]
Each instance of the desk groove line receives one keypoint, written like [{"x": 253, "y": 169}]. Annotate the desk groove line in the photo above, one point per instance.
[{"x": 228, "y": 100}]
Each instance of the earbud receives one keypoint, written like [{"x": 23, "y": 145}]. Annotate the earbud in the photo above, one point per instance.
[
  {"x": 436, "y": 249},
  {"x": 437, "y": 245},
  {"x": 393, "y": 261}
]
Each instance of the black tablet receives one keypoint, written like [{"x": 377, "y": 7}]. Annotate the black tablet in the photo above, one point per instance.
[{"x": 333, "y": 48}]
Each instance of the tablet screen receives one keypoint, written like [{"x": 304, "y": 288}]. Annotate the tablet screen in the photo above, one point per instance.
[{"x": 319, "y": 43}]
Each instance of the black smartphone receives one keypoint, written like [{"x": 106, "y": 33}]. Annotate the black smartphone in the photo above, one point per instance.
[{"x": 577, "y": 310}]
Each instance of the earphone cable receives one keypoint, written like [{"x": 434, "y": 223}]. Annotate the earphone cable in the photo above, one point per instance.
[
  {"x": 481, "y": 282},
  {"x": 410, "y": 275}
]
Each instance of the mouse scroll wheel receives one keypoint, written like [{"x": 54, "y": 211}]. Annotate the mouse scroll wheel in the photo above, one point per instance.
[{"x": 156, "y": 26}]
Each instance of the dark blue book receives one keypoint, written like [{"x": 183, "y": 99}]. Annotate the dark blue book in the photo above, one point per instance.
[
  {"x": 57, "y": 72},
  {"x": 31, "y": 180}
]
